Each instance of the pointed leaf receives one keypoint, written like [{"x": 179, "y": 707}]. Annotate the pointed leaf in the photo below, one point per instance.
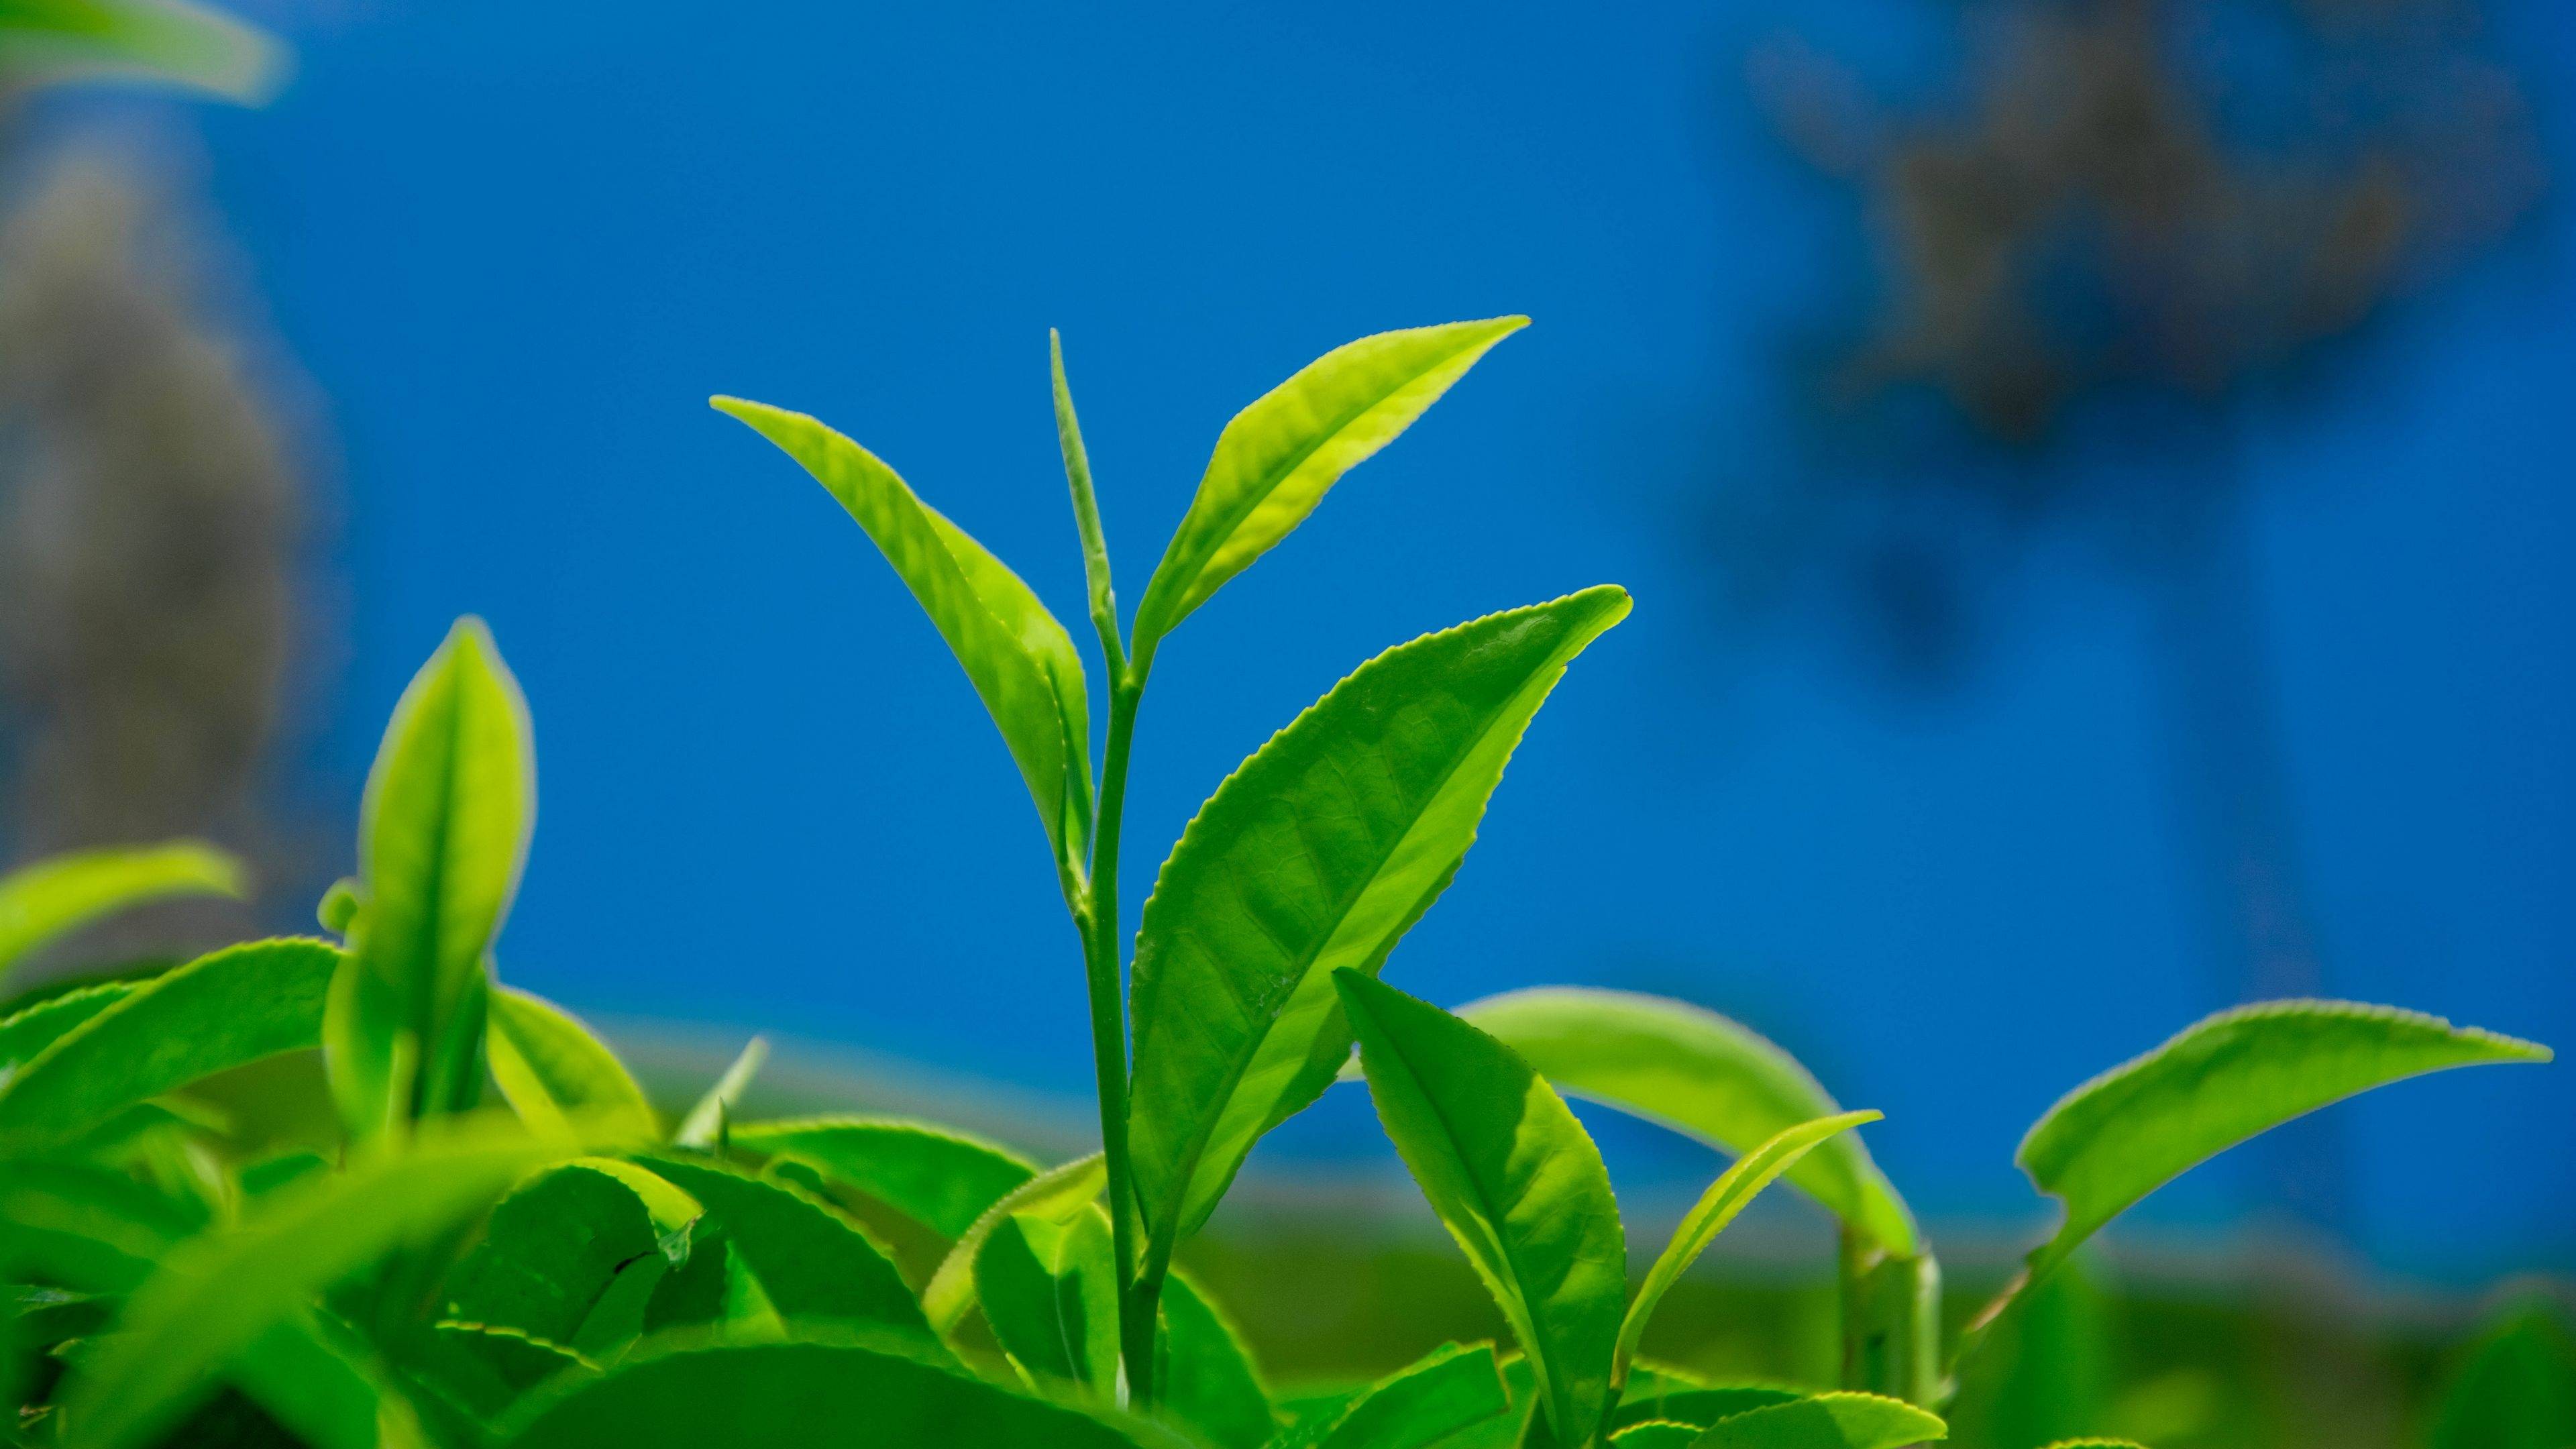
[
  {"x": 551, "y": 1069},
  {"x": 1050, "y": 1292},
  {"x": 811, "y": 1262},
  {"x": 1698, "y": 1407},
  {"x": 708, "y": 1122},
  {"x": 1275, "y": 460},
  {"x": 27, "y": 1032},
  {"x": 2127, "y": 1132},
  {"x": 1514, "y": 1178},
  {"x": 1450, "y": 1389},
  {"x": 793, "y": 1396},
  {"x": 58, "y": 896},
  {"x": 549, "y": 1251},
  {"x": 1826, "y": 1421},
  {"x": 441, "y": 839},
  {"x": 235, "y": 1006},
  {"x": 1058, "y": 1194},
  {"x": 1020, "y": 660},
  {"x": 1204, "y": 1376},
  {"x": 1733, "y": 1190},
  {"x": 1318, "y": 853},
  {"x": 941, "y": 1178}
]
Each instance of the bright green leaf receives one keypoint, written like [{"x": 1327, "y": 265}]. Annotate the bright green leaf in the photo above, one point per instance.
[
  {"x": 1726, "y": 1197},
  {"x": 57, "y": 896},
  {"x": 27, "y": 1032},
  {"x": 1317, "y": 854},
  {"x": 1275, "y": 460},
  {"x": 1020, "y": 660},
  {"x": 1419, "y": 1405},
  {"x": 1204, "y": 1376},
  {"x": 1699, "y": 1407},
  {"x": 175, "y": 42},
  {"x": 1050, "y": 1293},
  {"x": 811, "y": 1262},
  {"x": 1700, "y": 1073},
  {"x": 1826, "y": 1421},
  {"x": 2515, "y": 1390},
  {"x": 442, "y": 835},
  {"x": 551, "y": 1069},
  {"x": 1515, "y": 1179},
  {"x": 708, "y": 1123},
  {"x": 939, "y": 1177},
  {"x": 1058, "y": 1194},
  {"x": 235, "y": 1006}
]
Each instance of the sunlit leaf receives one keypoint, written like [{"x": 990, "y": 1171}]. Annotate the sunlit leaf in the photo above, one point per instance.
[
  {"x": 442, "y": 835},
  {"x": 1204, "y": 1376},
  {"x": 1699, "y": 1407},
  {"x": 1049, "y": 1290},
  {"x": 2516, "y": 1388},
  {"x": 238, "y": 1005},
  {"x": 27, "y": 1032},
  {"x": 1275, "y": 460},
  {"x": 1514, "y": 1178},
  {"x": 1419, "y": 1405},
  {"x": 1058, "y": 1194},
  {"x": 1726, "y": 1197},
  {"x": 941, "y": 1178},
  {"x": 57, "y": 896},
  {"x": 1317, "y": 854},
  {"x": 1020, "y": 660},
  {"x": 176, "y": 42},
  {"x": 1697, "y": 1072},
  {"x": 711, "y": 1118},
  {"x": 551, "y": 1069},
  {"x": 1826, "y": 1421},
  {"x": 811, "y": 1262}
]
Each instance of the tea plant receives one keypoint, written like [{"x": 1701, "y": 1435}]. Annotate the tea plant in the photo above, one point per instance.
[{"x": 204, "y": 1247}]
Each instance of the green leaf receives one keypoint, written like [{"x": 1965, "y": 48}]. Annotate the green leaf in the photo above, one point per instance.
[
  {"x": 1514, "y": 1178},
  {"x": 442, "y": 836},
  {"x": 1020, "y": 660},
  {"x": 235, "y": 1006},
  {"x": 1050, "y": 1292},
  {"x": 55, "y": 897},
  {"x": 1656, "y": 1434},
  {"x": 2136, "y": 1127},
  {"x": 708, "y": 1123},
  {"x": 811, "y": 1262},
  {"x": 2044, "y": 1373},
  {"x": 172, "y": 41},
  {"x": 939, "y": 1177},
  {"x": 84, "y": 1226},
  {"x": 1058, "y": 1194},
  {"x": 1450, "y": 1389},
  {"x": 1826, "y": 1421},
  {"x": 2097, "y": 1444},
  {"x": 551, "y": 1069},
  {"x": 550, "y": 1250},
  {"x": 27, "y": 1032},
  {"x": 794, "y": 1396},
  {"x": 485, "y": 1368},
  {"x": 1204, "y": 1377},
  {"x": 1317, "y": 854},
  {"x": 1699, "y": 1407},
  {"x": 214, "y": 1295},
  {"x": 316, "y": 1377},
  {"x": 2515, "y": 1390},
  {"x": 1699, "y": 1073},
  {"x": 1717, "y": 1207},
  {"x": 1275, "y": 460}
]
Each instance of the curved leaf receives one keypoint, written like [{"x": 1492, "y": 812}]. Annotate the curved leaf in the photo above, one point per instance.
[
  {"x": 1204, "y": 1377},
  {"x": 57, "y": 896},
  {"x": 811, "y": 1262},
  {"x": 318, "y": 1378},
  {"x": 2127, "y": 1132},
  {"x": 442, "y": 835},
  {"x": 1700, "y": 1073},
  {"x": 1447, "y": 1390},
  {"x": 176, "y": 42},
  {"x": 2515, "y": 1390},
  {"x": 1050, "y": 1293},
  {"x": 237, "y": 1005},
  {"x": 551, "y": 1069},
  {"x": 1514, "y": 1178},
  {"x": 1656, "y": 1434},
  {"x": 710, "y": 1121},
  {"x": 1058, "y": 1194},
  {"x": 1020, "y": 660},
  {"x": 1733, "y": 1190},
  {"x": 793, "y": 1396},
  {"x": 1317, "y": 854},
  {"x": 25, "y": 1033},
  {"x": 84, "y": 1227},
  {"x": 939, "y": 1177},
  {"x": 1277, "y": 457},
  {"x": 549, "y": 1251},
  {"x": 1826, "y": 1421},
  {"x": 1698, "y": 1407}
]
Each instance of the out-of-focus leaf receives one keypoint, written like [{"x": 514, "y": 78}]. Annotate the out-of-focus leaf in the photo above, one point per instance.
[
  {"x": 1058, "y": 1194},
  {"x": 1318, "y": 854},
  {"x": 1515, "y": 1179},
  {"x": 84, "y": 1226},
  {"x": 548, "y": 1252},
  {"x": 708, "y": 1122},
  {"x": 486, "y": 1368},
  {"x": 1275, "y": 460},
  {"x": 2516, "y": 1389},
  {"x": 442, "y": 835},
  {"x": 235, "y": 1006},
  {"x": 1419, "y": 1405},
  {"x": 214, "y": 1295},
  {"x": 41, "y": 1024},
  {"x": 939, "y": 1177},
  {"x": 54, "y": 897},
  {"x": 1700, "y": 1073},
  {"x": 1699, "y": 1407},
  {"x": 2127, "y": 1132},
  {"x": 793, "y": 1396},
  {"x": 1022, "y": 663},
  {"x": 811, "y": 1262},
  {"x": 551, "y": 1069},
  {"x": 1050, "y": 1292},
  {"x": 2097, "y": 1444},
  {"x": 1826, "y": 1421},
  {"x": 320, "y": 1380},
  {"x": 175, "y": 42},
  {"x": 2044, "y": 1373},
  {"x": 1726, "y": 1197},
  {"x": 1204, "y": 1377}
]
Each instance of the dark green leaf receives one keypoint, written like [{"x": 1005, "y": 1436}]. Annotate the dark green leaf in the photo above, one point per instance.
[
  {"x": 2517, "y": 1388},
  {"x": 1058, "y": 1194},
  {"x": 1050, "y": 1292},
  {"x": 55, "y": 897},
  {"x": 1317, "y": 854},
  {"x": 1697, "y": 1072},
  {"x": 811, "y": 1262},
  {"x": 83, "y": 1226},
  {"x": 552, "y": 1070},
  {"x": 549, "y": 1251},
  {"x": 235, "y": 1006},
  {"x": 314, "y": 1375},
  {"x": 1699, "y": 1407},
  {"x": 1275, "y": 460},
  {"x": 1204, "y": 1377},
  {"x": 1826, "y": 1421},
  {"x": 1422, "y": 1404},
  {"x": 939, "y": 1177},
  {"x": 1514, "y": 1178}
]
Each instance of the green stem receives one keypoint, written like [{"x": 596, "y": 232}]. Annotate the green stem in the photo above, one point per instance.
[
  {"x": 1109, "y": 1031},
  {"x": 1891, "y": 1322}
]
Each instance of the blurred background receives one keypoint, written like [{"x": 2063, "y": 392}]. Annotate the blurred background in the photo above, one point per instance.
[{"x": 2094, "y": 475}]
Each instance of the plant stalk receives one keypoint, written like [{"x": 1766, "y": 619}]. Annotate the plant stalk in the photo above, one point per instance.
[{"x": 1891, "y": 1322}]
